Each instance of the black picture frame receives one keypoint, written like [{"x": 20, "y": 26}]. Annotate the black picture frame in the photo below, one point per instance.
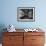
[{"x": 26, "y": 14}]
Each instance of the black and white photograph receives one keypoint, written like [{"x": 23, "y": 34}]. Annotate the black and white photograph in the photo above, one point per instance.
[{"x": 26, "y": 14}]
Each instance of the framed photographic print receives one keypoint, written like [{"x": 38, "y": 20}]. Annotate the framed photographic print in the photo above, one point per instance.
[{"x": 26, "y": 14}]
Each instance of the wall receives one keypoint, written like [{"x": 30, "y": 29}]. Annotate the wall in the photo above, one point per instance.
[{"x": 9, "y": 13}]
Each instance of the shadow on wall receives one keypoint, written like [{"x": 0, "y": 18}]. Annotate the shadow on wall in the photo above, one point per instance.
[{"x": 2, "y": 26}]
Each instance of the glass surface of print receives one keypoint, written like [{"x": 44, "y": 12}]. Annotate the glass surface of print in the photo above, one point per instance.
[{"x": 26, "y": 14}]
